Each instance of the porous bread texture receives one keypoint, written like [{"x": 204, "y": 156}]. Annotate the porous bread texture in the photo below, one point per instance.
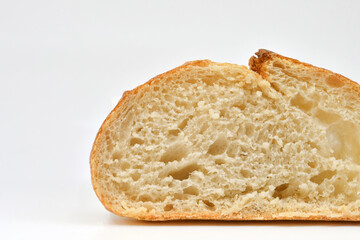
[{"x": 218, "y": 141}]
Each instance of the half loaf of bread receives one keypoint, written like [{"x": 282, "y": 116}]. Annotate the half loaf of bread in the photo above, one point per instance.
[{"x": 218, "y": 141}]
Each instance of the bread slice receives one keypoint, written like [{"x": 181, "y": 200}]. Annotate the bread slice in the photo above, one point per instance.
[{"x": 219, "y": 141}]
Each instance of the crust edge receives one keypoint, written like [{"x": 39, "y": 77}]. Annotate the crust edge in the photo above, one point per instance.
[{"x": 259, "y": 62}]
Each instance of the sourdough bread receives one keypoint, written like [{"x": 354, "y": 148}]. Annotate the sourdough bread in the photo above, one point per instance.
[{"x": 219, "y": 141}]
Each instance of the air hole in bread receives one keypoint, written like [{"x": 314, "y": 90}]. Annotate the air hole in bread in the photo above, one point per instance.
[
  {"x": 135, "y": 140},
  {"x": 334, "y": 81},
  {"x": 301, "y": 102},
  {"x": 246, "y": 173},
  {"x": 325, "y": 116},
  {"x": 219, "y": 146},
  {"x": 240, "y": 106},
  {"x": 116, "y": 155},
  {"x": 282, "y": 187},
  {"x": 343, "y": 138},
  {"x": 184, "y": 123},
  {"x": 318, "y": 179},
  {"x": 279, "y": 190},
  {"x": 146, "y": 198},
  {"x": 312, "y": 164},
  {"x": 179, "y": 196},
  {"x": 168, "y": 207},
  {"x": 248, "y": 189},
  {"x": 184, "y": 172},
  {"x": 210, "y": 205},
  {"x": 192, "y": 190},
  {"x": 222, "y": 112},
  {"x": 220, "y": 161},
  {"x": 174, "y": 132},
  {"x": 181, "y": 104},
  {"x": 135, "y": 176},
  {"x": 175, "y": 152}
]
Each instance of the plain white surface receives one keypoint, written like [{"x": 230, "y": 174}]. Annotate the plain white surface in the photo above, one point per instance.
[{"x": 65, "y": 64}]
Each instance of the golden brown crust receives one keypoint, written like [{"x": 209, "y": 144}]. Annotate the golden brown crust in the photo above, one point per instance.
[
  {"x": 240, "y": 216},
  {"x": 256, "y": 64},
  {"x": 263, "y": 57}
]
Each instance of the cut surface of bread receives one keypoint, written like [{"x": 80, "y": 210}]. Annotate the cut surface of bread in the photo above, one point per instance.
[{"x": 208, "y": 140}]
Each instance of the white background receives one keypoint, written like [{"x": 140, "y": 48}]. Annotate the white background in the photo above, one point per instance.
[{"x": 65, "y": 64}]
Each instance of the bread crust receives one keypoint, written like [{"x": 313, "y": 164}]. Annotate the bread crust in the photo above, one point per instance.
[
  {"x": 263, "y": 57},
  {"x": 257, "y": 64}
]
